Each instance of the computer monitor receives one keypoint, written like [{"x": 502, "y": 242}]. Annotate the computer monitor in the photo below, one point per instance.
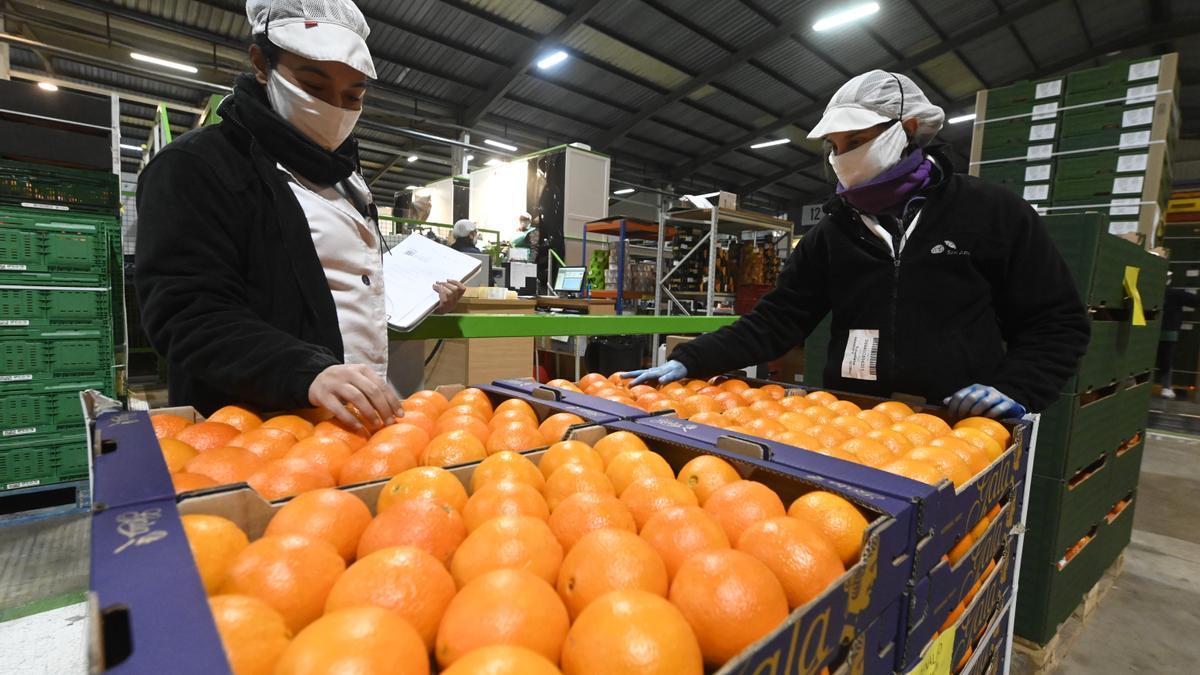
[
  {"x": 522, "y": 277},
  {"x": 518, "y": 254},
  {"x": 484, "y": 278},
  {"x": 570, "y": 279}
]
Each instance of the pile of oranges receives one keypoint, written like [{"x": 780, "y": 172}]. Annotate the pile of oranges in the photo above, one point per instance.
[
  {"x": 288, "y": 454},
  {"x": 889, "y": 436},
  {"x": 597, "y": 559}
]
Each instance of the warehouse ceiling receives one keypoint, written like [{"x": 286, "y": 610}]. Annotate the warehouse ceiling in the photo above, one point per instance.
[{"x": 675, "y": 90}]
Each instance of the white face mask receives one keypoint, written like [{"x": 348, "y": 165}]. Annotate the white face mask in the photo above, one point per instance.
[
  {"x": 326, "y": 125},
  {"x": 871, "y": 158}
]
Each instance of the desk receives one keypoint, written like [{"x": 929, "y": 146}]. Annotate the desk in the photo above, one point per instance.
[
  {"x": 590, "y": 307},
  {"x": 482, "y": 360}
]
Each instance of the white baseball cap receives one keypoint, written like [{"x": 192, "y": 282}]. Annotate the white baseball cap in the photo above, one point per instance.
[
  {"x": 464, "y": 228},
  {"x": 322, "y": 30},
  {"x": 876, "y": 97}
]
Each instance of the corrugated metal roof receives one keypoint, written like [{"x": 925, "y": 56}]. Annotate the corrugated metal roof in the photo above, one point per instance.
[
  {"x": 1045, "y": 36},
  {"x": 1111, "y": 20},
  {"x": 455, "y": 26},
  {"x": 903, "y": 28},
  {"x": 803, "y": 67},
  {"x": 983, "y": 53},
  {"x": 852, "y": 49},
  {"x": 635, "y": 62},
  {"x": 954, "y": 15},
  {"x": 531, "y": 14},
  {"x": 755, "y": 85}
]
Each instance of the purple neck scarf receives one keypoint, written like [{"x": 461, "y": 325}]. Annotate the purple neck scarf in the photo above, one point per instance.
[{"x": 890, "y": 190}]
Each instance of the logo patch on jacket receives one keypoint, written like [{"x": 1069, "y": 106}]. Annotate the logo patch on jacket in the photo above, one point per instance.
[{"x": 948, "y": 247}]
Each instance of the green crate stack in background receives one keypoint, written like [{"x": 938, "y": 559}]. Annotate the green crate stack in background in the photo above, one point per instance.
[
  {"x": 1182, "y": 241},
  {"x": 1094, "y": 140}
]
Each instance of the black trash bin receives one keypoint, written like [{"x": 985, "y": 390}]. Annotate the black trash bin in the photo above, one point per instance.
[{"x": 615, "y": 353}]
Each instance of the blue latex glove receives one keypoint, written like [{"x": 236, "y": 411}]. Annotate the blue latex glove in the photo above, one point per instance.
[
  {"x": 667, "y": 372},
  {"x": 981, "y": 400}
]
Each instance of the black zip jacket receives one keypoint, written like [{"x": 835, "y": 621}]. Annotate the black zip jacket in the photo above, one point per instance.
[
  {"x": 978, "y": 295},
  {"x": 232, "y": 292}
]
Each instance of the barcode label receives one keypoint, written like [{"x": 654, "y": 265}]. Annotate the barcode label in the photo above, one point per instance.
[
  {"x": 48, "y": 207},
  {"x": 14, "y": 268},
  {"x": 1131, "y": 163},
  {"x": 1137, "y": 118},
  {"x": 1046, "y": 89},
  {"x": 1134, "y": 139},
  {"x": 1141, "y": 71},
  {"x": 14, "y": 322},
  {"x": 15, "y": 378},
  {"x": 861, "y": 359},
  {"x": 1124, "y": 207},
  {"x": 1039, "y": 151},
  {"x": 1045, "y": 111},
  {"x": 1143, "y": 94},
  {"x": 1192, "y": 273},
  {"x": 1122, "y": 227},
  {"x": 1127, "y": 185},
  {"x": 1042, "y": 132},
  {"x": 1037, "y": 172},
  {"x": 1036, "y": 192},
  {"x": 18, "y": 432}
]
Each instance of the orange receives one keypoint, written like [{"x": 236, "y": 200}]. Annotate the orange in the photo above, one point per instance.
[
  {"x": 507, "y": 466},
  {"x": 933, "y": 424},
  {"x": 335, "y": 517},
  {"x": 438, "y": 401},
  {"x": 681, "y": 532},
  {"x": 175, "y": 453},
  {"x": 631, "y": 632},
  {"x": 980, "y": 528},
  {"x": 988, "y": 426},
  {"x": 573, "y": 478},
  {"x": 352, "y": 437},
  {"x": 795, "y": 421},
  {"x": 851, "y": 425},
  {"x": 207, "y": 435},
  {"x": 828, "y": 435},
  {"x": 469, "y": 423},
  {"x": 324, "y": 451},
  {"x": 424, "y": 482},
  {"x": 475, "y": 398},
  {"x": 502, "y": 660},
  {"x": 677, "y": 395},
  {"x": 836, "y": 453},
  {"x": 607, "y": 560},
  {"x": 711, "y": 391},
  {"x": 801, "y": 439},
  {"x": 699, "y": 403},
  {"x": 954, "y": 616},
  {"x": 425, "y": 406},
  {"x": 403, "y": 579},
  {"x": 975, "y": 458},
  {"x": 773, "y": 390},
  {"x": 916, "y": 470},
  {"x": 844, "y": 408},
  {"x": 224, "y": 465},
  {"x": 503, "y": 607},
  {"x": 504, "y": 417},
  {"x": 215, "y": 543},
  {"x": 727, "y": 400},
  {"x": 822, "y": 398},
  {"x": 362, "y": 640},
  {"x": 641, "y": 389},
  {"x": 167, "y": 425},
  {"x": 508, "y": 542},
  {"x": 769, "y": 408},
  {"x": 586, "y": 512},
  {"x": 253, "y": 634},
  {"x": 289, "y": 476},
  {"x": 616, "y": 443},
  {"x": 661, "y": 405},
  {"x": 650, "y": 495},
  {"x": 915, "y": 433},
  {"x": 875, "y": 419},
  {"x": 840, "y": 521},
  {"x": 796, "y": 403},
  {"x": 740, "y": 416},
  {"x": 239, "y": 418},
  {"x": 431, "y": 526},
  {"x": 631, "y": 466},
  {"x": 803, "y": 560},
  {"x": 293, "y": 424},
  {"x": 420, "y": 420},
  {"x": 894, "y": 409},
  {"x": 960, "y": 548},
  {"x": 734, "y": 386},
  {"x": 704, "y": 474},
  {"x": 516, "y": 405},
  {"x": 819, "y": 414},
  {"x": 515, "y": 437},
  {"x": 731, "y": 599},
  {"x": 751, "y": 396},
  {"x": 292, "y": 574},
  {"x": 765, "y": 427},
  {"x": 867, "y": 451},
  {"x": 591, "y": 379},
  {"x": 555, "y": 427},
  {"x": 895, "y": 441},
  {"x": 695, "y": 385},
  {"x": 946, "y": 461},
  {"x": 710, "y": 418},
  {"x": 742, "y": 503},
  {"x": 379, "y": 460},
  {"x": 990, "y": 446},
  {"x": 506, "y": 498},
  {"x": 453, "y": 447},
  {"x": 183, "y": 481},
  {"x": 268, "y": 444},
  {"x": 569, "y": 452}
]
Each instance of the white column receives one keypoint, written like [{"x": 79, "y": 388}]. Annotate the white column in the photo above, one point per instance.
[{"x": 3, "y": 53}]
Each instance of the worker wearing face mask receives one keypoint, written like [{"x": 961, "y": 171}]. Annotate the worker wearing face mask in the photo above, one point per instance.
[
  {"x": 939, "y": 285},
  {"x": 258, "y": 261}
]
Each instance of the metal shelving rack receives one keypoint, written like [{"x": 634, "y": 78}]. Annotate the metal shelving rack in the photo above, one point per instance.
[{"x": 626, "y": 230}]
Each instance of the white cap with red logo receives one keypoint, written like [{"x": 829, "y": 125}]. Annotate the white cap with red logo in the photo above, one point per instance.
[{"x": 322, "y": 30}]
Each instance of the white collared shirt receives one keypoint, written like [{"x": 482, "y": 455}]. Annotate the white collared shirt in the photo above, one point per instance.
[{"x": 348, "y": 244}]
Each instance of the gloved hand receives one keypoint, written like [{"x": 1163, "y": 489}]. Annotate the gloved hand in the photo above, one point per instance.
[
  {"x": 982, "y": 400},
  {"x": 667, "y": 372}
]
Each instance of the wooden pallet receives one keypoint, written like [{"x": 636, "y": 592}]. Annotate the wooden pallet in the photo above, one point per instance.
[{"x": 1030, "y": 658}]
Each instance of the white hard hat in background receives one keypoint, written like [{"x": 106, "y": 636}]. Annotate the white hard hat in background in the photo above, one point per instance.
[
  {"x": 322, "y": 30},
  {"x": 876, "y": 97},
  {"x": 464, "y": 228},
  {"x": 525, "y": 216}
]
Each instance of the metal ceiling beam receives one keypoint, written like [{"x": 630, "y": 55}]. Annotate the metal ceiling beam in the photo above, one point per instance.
[
  {"x": 895, "y": 54},
  {"x": 941, "y": 35},
  {"x": 974, "y": 32}
]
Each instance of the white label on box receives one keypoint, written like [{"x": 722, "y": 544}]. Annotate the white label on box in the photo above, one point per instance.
[
  {"x": 1134, "y": 139},
  {"x": 1042, "y": 132},
  {"x": 22, "y": 484},
  {"x": 1128, "y": 163},
  {"x": 862, "y": 354},
  {"x": 1047, "y": 89},
  {"x": 48, "y": 207},
  {"x": 1138, "y": 118},
  {"x": 1127, "y": 185},
  {"x": 1035, "y": 192},
  {"x": 1045, "y": 111},
  {"x": 15, "y": 378},
  {"x": 1037, "y": 172},
  {"x": 18, "y": 432},
  {"x": 8, "y": 323},
  {"x": 1124, "y": 227},
  {"x": 1192, "y": 273},
  {"x": 1124, "y": 207},
  {"x": 13, "y": 268},
  {"x": 1186, "y": 326},
  {"x": 1140, "y": 71},
  {"x": 1189, "y": 309},
  {"x": 1143, "y": 94},
  {"x": 1039, "y": 151}
]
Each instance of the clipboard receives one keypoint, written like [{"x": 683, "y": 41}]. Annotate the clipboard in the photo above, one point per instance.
[{"x": 410, "y": 269}]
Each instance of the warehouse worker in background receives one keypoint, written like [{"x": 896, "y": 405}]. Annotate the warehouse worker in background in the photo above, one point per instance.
[
  {"x": 1172, "y": 323},
  {"x": 258, "y": 254},
  {"x": 940, "y": 285},
  {"x": 465, "y": 234},
  {"x": 528, "y": 233}
]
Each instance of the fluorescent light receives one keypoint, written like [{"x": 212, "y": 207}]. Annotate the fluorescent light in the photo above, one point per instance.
[
  {"x": 412, "y": 158},
  {"x": 767, "y": 144},
  {"x": 846, "y": 16},
  {"x": 498, "y": 144},
  {"x": 493, "y": 162},
  {"x": 961, "y": 118},
  {"x": 413, "y": 187},
  {"x": 624, "y": 191},
  {"x": 47, "y": 86},
  {"x": 163, "y": 62},
  {"x": 469, "y": 157},
  {"x": 126, "y": 146},
  {"x": 552, "y": 59}
]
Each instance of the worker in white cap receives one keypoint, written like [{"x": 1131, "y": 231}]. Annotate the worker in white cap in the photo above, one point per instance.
[
  {"x": 939, "y": 285},
  {"x": 465, "y": 234},
  {"x": 258, "y": 260}
]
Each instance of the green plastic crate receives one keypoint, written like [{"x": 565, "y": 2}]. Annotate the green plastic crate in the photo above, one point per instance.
[
  {"x": 1127, "y": 469},
  {"x": 1107, "y": 163},
  {"x": 1108, "y": 117},
  {"x": 47, "y": 409},
  {"x": 34, "y": 358},
  {"x": 1110, "y": 139},
  {"x": 45, "y": 248},
  {"x": 1112, "y": 76},
  {"x": 75, "y": 189},
  {"x": 44, "y": 462},
  {"x": 1098, "y": 365},
  {"x": 1019, "y": 98},
  {"x": 1006, "y": 132},
  {"x": 1077, "y": 426},
  {"x": 1140, "y": 354},
  {"x": 44, "y": 307},
  {"x": 1152, "y": 280},
  {"x": 1017, "y": 174},
  {"x": 1097, "y": 259},
  {"x": 1061, "y": 511}
]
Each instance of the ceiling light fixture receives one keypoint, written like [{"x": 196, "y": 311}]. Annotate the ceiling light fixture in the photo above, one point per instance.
[
  {"x": 412, "y": 158},
  {"x": 493, "y": 162},
  {"x": 413, "y": 187},
  {"x": 47, "y": 86},
  {"x": 552, "y": 59},
  {"x": 624, "y": 191},
  {"x": 848, "y": 15},
  {"x": 767, "y": 144},
  {"x": 498, "y": 144},
  {"x": 126, "y": 146},
  {"x": 163, "y": 62},
  {"x": 469, "y": 157},
  {"x": 961, "y": 118}
]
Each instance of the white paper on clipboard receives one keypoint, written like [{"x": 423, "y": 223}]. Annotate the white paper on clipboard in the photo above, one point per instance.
[{"x": 410, "y": 269}]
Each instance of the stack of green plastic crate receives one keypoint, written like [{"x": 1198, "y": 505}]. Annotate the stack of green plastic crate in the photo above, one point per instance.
[
  {"x": 1183, "y": 241},
  {"x": 1089, "y": 444},
  {"x": 60, "y": 321}
]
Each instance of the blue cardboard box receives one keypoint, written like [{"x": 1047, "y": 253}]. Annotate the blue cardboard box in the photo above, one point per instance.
[{"x": 128, "y": 467}]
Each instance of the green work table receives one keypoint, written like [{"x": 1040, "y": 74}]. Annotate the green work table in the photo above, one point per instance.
[{"x": 457, "y": 326}]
